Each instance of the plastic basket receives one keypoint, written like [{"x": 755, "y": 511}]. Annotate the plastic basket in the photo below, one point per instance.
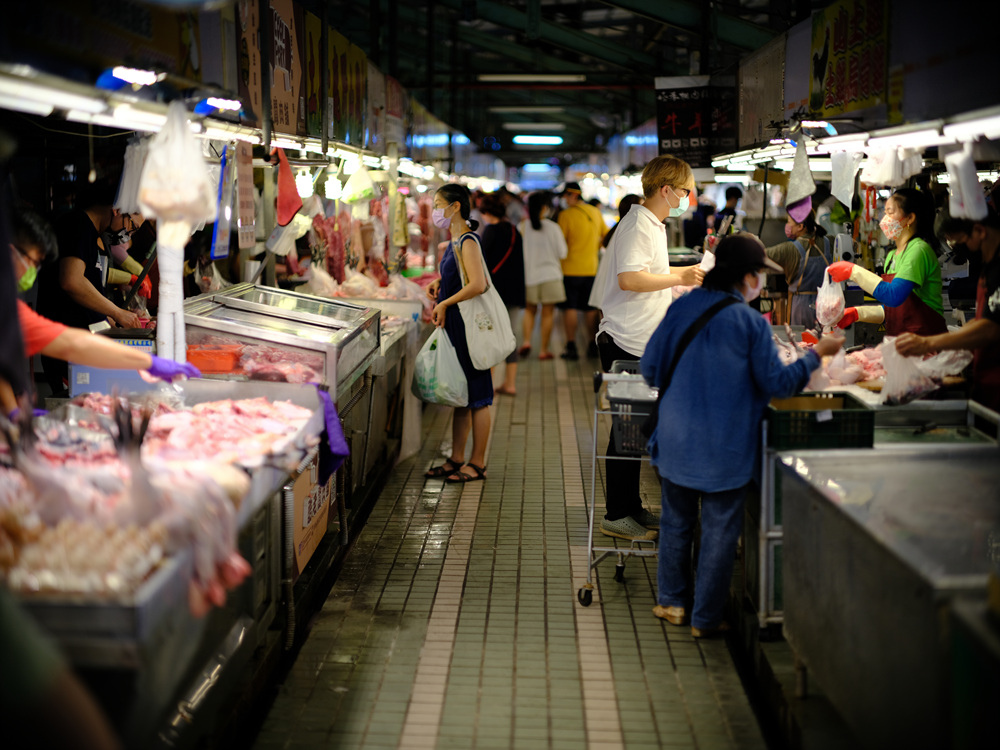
[
  {"x": 628, "y": 412},
  {"x": 820, "y": 420}
]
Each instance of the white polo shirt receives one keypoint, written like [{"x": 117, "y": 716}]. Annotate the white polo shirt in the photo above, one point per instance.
[{"x": 638, "y": 244}]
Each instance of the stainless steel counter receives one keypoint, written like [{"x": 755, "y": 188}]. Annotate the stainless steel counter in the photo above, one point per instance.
[{"x": 876, "y": 544}]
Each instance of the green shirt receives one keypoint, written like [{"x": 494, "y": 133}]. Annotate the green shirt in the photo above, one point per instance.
[{"x": 919, "y": 264}]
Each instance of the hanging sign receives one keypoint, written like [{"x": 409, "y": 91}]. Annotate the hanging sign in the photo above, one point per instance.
[
  {"x": 248, "y": 61},
  {"x": 848, "y": 63},
  {"x": 314, "y": 75},
  {"x": 285, "y": 66},
  {"x": 695, "y": 119},
  {"x": 244, "y": 195}
]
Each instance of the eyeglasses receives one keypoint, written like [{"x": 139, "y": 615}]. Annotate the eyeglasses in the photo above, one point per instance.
[
  {"x": 33, "y": 260},
  {"x": 681, "y": 192},
  {"x": 127, "y": 224}
]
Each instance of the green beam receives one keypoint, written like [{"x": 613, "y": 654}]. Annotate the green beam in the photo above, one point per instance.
[
  {"x": 686, "y": 15},
  {"x": 576, "y": 41}
]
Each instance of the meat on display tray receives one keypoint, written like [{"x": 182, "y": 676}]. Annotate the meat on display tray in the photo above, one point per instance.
[
  {"x": 262, "y": 333},
  {"x": 110, "y": 631}
]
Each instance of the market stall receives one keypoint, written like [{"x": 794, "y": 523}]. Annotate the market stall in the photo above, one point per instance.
[{"x": 880, "y": 544}]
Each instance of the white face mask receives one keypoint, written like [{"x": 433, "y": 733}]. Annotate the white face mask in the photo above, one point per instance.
[
  {"x": 682, "y": 206},
  {"x": 754, "y": 292}
]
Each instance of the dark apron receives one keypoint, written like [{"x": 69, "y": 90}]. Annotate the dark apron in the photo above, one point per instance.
[
  {"x": 913, "y": 316},
  {"x": 985, "y": 362},
  {"x": 802, "y": 294}
]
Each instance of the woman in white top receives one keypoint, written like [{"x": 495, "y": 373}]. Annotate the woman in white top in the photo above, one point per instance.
[{"x": 544, "y": 246}]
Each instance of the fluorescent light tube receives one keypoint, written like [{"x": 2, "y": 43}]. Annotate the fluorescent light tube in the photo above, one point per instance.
[
  {"x": 538, "y": 140},
  {"x": 531, "y": 78},
  {"x": 533, "y": 126}
]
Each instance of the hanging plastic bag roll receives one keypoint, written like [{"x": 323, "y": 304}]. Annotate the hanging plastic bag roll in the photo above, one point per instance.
[
  {"x": 965, "y": 196},
  {"x": 844, "y": 168}
]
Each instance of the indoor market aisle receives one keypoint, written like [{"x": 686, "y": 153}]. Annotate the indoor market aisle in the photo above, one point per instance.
[{"x": 455, "y": 622}]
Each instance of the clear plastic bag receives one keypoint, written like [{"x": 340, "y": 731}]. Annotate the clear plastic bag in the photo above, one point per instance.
[
  {"x": 437, "y": 375},
  {"x": 829, "y": 302},
  {"x": 904, "y": 382},
  {"x": 944, "y": 364}
]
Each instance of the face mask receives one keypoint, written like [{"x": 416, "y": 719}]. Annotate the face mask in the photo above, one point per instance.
[
  {"x": 890, "y": 227},
  {"x": 754, "y": 291},
  {"x": 789, "y": 232},
  {"x": 683, "y": 206},
  {"x": 439, "y": 219},
  {"x": 28, "y": 279}
]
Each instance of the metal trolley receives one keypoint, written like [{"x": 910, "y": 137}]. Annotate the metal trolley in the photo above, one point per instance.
[{"x": 631, "y": 401}]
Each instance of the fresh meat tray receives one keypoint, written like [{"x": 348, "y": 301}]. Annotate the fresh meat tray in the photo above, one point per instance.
[{"x": 116, "y": 632}]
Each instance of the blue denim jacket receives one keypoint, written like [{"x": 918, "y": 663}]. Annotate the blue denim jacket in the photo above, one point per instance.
[{"x": 708, "y": 435}]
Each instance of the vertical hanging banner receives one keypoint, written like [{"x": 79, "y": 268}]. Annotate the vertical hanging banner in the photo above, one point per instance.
[
  {"x": 375, "y": 115},
  {"x": 695, "y": 118},
  {"x": 357, "y": 93},
  {"x": 248, "y": 61},
  {"x": 314, "y": 75},
  {"x": 337, "y": 51},
  {"x": 848, "y": 65},
  {"x": 395, "y": 110},
  {"x": 285, "y": 66},
  {"x": 246, "y": 215}
]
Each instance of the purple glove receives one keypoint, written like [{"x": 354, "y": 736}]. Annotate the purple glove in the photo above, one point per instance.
[
  {"x": 16, "y": 412},
  {"x": 167, "y": 369}
]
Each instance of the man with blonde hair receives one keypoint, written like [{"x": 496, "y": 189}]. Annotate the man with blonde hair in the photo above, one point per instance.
[{"x": 637, "y": 293}]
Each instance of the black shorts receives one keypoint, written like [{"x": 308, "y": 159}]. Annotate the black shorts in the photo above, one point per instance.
[{"x": 578, "y": 290}]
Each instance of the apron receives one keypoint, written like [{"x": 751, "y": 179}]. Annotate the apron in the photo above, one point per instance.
[
  {"x": 802, "y": 294},
  {"x": 985, "y": 362},
  {"x": 913, "y": 316}
]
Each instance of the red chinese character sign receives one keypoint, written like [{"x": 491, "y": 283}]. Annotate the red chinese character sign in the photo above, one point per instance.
[
  {"x": 847, "y": 68},
  {"x": 695, "y": 118}
]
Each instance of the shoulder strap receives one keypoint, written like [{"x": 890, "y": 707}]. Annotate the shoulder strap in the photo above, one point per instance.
[
  {"x": 513, "y": 238},
  {"x": 458, "y": 256},
  {"x": 686, "y": 339}
]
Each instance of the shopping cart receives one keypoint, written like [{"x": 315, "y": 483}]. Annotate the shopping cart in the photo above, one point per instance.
[{"x": 630, "y": 401}]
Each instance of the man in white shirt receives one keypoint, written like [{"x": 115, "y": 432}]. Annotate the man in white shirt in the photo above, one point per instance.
[{"x": 636, "y": 296}]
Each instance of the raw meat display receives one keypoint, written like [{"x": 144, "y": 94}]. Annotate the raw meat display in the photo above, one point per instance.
[
  {"x": 281, "y": 365},
  {"x": 870, "y": 362}
]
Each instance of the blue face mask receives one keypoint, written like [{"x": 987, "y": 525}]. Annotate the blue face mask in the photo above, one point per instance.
[{"x": 682, "y": 207}]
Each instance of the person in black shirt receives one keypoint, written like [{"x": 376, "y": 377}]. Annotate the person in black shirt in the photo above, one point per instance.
[
  {"x": 73, "y": 291},
  {"x": 505, "y": 260}
]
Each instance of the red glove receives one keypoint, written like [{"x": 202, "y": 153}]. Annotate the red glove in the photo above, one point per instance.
[
  {"x": 840, "y": 271},
  {"x": 145, "y": 288},
  {"x": 850, "y": 314}
]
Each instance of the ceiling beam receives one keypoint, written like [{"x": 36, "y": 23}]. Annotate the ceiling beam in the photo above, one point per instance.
[
  {"x": 686, "y": 15},
  {"x": 576, "y": 41}
]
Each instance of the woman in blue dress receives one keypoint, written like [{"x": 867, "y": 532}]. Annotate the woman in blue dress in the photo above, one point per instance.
[{"x": 451, "y": 211}]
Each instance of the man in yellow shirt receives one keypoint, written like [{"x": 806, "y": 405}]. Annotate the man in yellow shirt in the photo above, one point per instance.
[{"x": 583, "y": 227}]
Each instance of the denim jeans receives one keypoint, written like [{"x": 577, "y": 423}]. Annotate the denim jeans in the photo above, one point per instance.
[
  {"x": 621, "y": 477},
  {"x": 721, "y": 524}
]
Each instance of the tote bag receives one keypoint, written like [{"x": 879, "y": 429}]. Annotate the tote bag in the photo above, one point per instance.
[{"x": 487, "y": 325}]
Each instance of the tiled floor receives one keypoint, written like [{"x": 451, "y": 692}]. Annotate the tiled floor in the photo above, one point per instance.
[{"x": 455, "y": 622}]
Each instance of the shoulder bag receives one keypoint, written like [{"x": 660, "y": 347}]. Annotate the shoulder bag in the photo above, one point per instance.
[
  {"x": 487, "y": 326},
  {"x": 648, "y": 426}
]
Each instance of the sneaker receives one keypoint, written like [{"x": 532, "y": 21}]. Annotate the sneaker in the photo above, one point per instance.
[
  {"x": 647, "y": 519},
  {"x": 570, "y": 352},
  {"x": 592, "y": 351},
  {"x": 673, "y": 615},
  {"x": 628, "y": 528}
]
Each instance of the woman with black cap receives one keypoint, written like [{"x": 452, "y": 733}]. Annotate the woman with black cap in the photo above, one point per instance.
[{"x": 725, "y": 368}]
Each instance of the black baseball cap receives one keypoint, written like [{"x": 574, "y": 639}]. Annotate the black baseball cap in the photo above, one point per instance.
[
  {"x": 743, "y": 251},
  {"x": 571, "y": 187}
]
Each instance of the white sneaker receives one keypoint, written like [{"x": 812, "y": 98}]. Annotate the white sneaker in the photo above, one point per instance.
[{"x": 628, "y": 528}]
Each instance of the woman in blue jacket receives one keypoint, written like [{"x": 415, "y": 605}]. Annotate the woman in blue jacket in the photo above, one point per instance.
[{"x": 706, "y": 444}]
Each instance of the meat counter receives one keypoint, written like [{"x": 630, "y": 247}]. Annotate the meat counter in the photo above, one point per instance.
[
  {"x": 139, "y": 653},
  {"x": 879, "y": 544},
  {"x": 256, "y": 332}
]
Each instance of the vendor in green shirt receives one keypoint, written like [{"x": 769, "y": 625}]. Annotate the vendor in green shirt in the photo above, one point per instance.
[{"x": 910, "y": 289}]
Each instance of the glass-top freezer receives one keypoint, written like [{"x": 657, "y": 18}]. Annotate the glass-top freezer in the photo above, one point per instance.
[{"x": 261, "y": 333}]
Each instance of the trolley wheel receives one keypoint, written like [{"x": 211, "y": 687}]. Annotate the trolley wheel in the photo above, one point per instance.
[
  {"x": 620, "y": 573},
  {"x": 585, "y": 596}
]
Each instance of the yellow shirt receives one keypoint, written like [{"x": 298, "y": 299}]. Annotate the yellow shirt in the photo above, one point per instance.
[{"x": 583, "y": 227}]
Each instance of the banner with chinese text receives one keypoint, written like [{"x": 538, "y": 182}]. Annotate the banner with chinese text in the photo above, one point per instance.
[
  {"x": 314, "y": 75},
  {"x": 848, "y": 64},
  {"x": 285, "y": 67},
  {"x": 695, "y": 118}
]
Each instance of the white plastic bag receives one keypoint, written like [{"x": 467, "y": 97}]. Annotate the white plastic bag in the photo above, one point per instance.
[
  {"x": 904, "y": 382},
  {"x": 437, "y": 375},
  {"x": 946, "y": 363},
  {"x": 487, "y": 324},
  {"x": 829, "y": 302}
]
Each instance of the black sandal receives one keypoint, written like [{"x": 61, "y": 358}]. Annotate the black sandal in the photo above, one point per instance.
[
  {"x": 463, "y": 477},
  {"x": 446, "y": 469}
]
